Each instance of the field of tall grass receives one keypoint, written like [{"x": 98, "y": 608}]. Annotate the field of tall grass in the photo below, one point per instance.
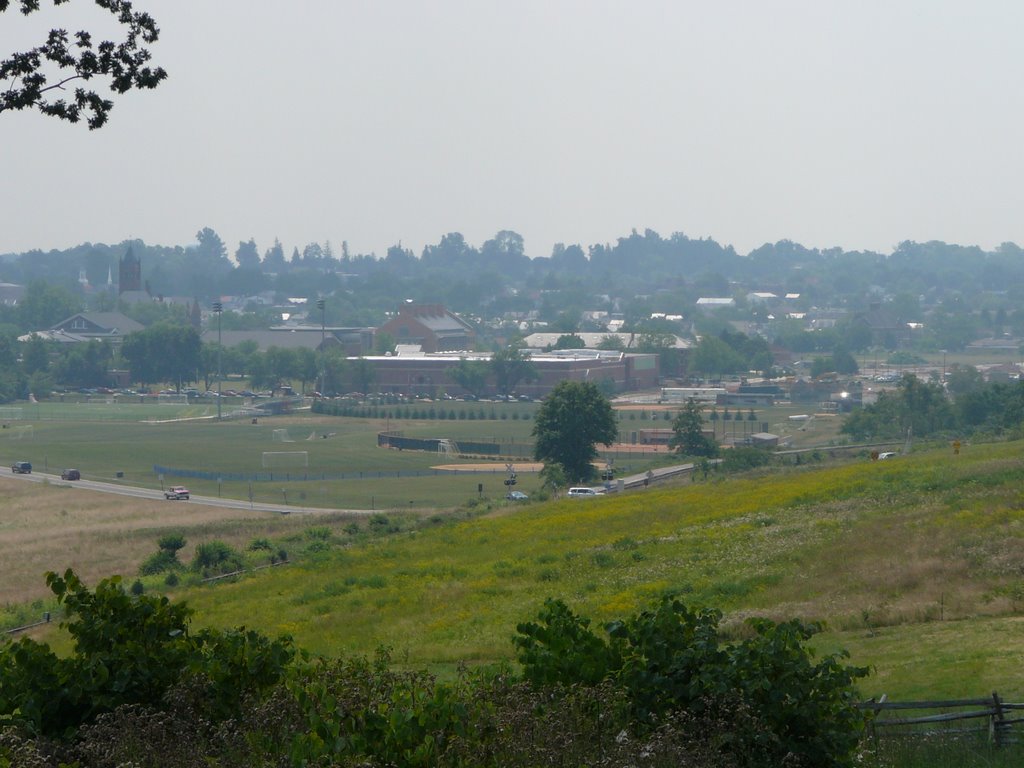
[{"x": 914, "y": 564}]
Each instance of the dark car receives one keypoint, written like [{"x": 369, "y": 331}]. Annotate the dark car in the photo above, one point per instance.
[
  {"x": 21, "y": 468},
  {"x": 70, "y": 474}
]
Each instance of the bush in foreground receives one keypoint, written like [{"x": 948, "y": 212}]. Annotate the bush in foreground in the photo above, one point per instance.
[
  {"x": 672, "y": 659},
  {"x": 660, "y": 689}
]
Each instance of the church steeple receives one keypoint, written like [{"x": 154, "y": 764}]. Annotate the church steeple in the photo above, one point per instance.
[{"x": 129, "y": 273}]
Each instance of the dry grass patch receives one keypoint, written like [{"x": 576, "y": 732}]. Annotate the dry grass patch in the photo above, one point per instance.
[{"x": 50, "y": 527}]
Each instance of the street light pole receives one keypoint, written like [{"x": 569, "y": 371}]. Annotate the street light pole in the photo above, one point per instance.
[
  {"x": 323, "y": 336},
  {"x": 218, "y": 310}
]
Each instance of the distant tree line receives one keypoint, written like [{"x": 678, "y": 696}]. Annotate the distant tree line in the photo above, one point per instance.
[
  {"x": 952, "y": 293},
  {"x": 922, "y": 409}
]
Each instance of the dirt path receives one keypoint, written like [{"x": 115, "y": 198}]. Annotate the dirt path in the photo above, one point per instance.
[{"x": 497, "y": 466}]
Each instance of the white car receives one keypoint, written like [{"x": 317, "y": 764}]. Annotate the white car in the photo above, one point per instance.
[{"x": 582, "y": 492}]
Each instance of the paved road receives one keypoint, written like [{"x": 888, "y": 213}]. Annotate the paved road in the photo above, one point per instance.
[
  {"x": 632, "y": 481},
  {"x": 158, "y": 495}
]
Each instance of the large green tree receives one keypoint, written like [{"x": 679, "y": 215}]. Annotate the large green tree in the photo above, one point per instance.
[
  {"x": 35, "y": 355},
  {"x": 44, "y": 305},
  {"x": 714, "y": 357},
  {"x": 85, "y": 365},
  {"x": 688, "y": 432},
  {"x": 915, "y": 407},
  {"x": 363, "y": 374},
  {"x": 471, "y": 375},
  {"x": 573, "y": 419},
  {"x": 510, "y": 367},
  {"x": 163, "y": 352}
]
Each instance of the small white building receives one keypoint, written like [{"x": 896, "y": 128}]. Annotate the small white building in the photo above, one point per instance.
[{"x": 712, "y": 302}]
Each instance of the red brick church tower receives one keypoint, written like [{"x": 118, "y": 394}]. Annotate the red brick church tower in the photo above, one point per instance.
[{"x": 129, "y": 273}]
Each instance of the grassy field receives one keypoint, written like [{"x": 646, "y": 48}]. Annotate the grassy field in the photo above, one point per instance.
[
  {"x": 127, "y": 438},
  {"x": 53, "y": 527},
  {"x": 914, "y": 564}
]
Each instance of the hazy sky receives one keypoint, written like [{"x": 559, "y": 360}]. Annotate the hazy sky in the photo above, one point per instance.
[{"x": 856, "y": 124}]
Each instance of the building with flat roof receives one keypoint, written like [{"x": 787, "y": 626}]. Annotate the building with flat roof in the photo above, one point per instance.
[
  {"x": 351, "y": 341},
  {"x": 427, "y": 374}
]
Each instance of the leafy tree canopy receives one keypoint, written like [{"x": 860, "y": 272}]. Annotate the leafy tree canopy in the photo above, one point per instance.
[
  {"x": 687, "y": 432},
  {"x": 675, "y": 658},
  {"x": 570, "y": 423},
  {"x": 471, "y": 375},
  {"x": 38, "y": 77},
  {"x": 570, "y": 341},
  {"x": 915, "y": 405},
  {"x": 127, "y": 650},
  {"x": 511, "y": 366}
]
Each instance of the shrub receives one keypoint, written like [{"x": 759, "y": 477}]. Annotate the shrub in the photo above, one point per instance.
[
  {"x": 318, "y": 533},
  {"x": 159, "y": 562},
  {"x": 603, "y": 559},
  {"x": 171, "y": 542},
  {"x": 166, "y": 559},
  {"x": 214, "y": 557},
  {"x": 672, "y": 659},
  {"x": 742, "y": 459}
]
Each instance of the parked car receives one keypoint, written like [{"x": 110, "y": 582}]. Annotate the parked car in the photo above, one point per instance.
[
  {"x": 582, "y": 492},
  {"x": 70, "y": 474},
  {"x": 21, "y": 468},
  {"x": 516, "y": 496},
  {"x": 178, "y": 492}
]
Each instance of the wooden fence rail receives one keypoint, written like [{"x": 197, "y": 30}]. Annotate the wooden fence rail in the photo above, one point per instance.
[
  {"x": 16, "y": 630},
  {"x": 954, "y": 717}
]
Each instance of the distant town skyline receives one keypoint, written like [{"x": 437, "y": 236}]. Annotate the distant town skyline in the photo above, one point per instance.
[{"x": 833, "y": 125}]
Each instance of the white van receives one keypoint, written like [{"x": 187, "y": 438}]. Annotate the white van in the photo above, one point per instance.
[{"x": 582, "y": 491}]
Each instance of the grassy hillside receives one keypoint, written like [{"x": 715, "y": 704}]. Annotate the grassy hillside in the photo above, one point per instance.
[{"x": 915, "y": 563}]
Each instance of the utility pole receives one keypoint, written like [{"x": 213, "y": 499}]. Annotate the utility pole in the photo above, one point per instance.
[{"x": 218, "y": 310}]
